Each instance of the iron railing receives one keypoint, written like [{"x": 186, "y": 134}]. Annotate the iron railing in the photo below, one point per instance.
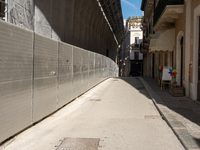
[
  {"x": 142, "y": 46},
  {"x": 147, "y": 32},
  {"x": 161, "y": 6}
]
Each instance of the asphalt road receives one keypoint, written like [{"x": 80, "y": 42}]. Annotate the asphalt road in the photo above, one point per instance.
[{"x": 118, "y": 112}]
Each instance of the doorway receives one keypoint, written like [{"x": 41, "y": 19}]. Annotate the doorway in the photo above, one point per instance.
[
  {"x": 181, "y": 75},
  {"x": 179, "y": 57},
  {"x": 198, "y": 84}
]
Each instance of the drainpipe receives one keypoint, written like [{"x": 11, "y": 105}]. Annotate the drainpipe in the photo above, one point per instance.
[
  {"x": 189, "y": 81},
  {"x": 154, "y": 7}
]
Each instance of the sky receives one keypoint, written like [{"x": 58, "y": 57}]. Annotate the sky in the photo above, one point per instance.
[{"x": 131, "y": 8}]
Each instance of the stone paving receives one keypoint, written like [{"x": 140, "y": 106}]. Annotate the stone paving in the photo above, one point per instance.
[
  {"x": 182, "y": 109},
  {"x": 117, "y": 114}
]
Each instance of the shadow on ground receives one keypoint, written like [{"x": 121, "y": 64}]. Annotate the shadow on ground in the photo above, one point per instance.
[
  {"x": 197, "y": 141},
  {"x": 183, "y": 106}
]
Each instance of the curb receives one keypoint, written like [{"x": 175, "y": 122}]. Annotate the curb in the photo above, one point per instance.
[{"x": 177, "y": 127}]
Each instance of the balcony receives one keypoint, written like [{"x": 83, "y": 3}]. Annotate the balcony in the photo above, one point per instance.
[
  {"x": 166, "y": 12},
  {"x": 144, "y": 22},
  {"x": 135, "y": 46},
  {"x": 147, "y": 6},
  {"x": 149, "y": 32},
  {"x": 144, "y": 47}
]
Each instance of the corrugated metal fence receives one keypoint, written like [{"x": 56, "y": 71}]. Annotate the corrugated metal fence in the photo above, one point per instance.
[{"x": 39, "y": 75}]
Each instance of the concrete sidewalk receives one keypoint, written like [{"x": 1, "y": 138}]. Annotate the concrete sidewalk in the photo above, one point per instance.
[
  {"x": 118, "y": 112},
  {"x": 181, "y": 113}
]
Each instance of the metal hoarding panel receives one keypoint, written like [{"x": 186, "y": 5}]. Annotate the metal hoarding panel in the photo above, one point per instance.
[
  {"x": 15, "y": 108},
  {"x": 45, "y": 94},
  {"x": 84, "y": 82},
  {"x": 107, "y": 74},
  {"x": 103, "y": 68},
  {"x": 91, "y": 70},
  {"x": 116, "y": 70},
  {"x": 107, "y": 67},
  {"x": 77, "y": 72},
  {"x": 100, "y": 67},
  {"x": 65, "y": 74},
  {"x": 45, "y": 57},
  {"x": 91, "y": 60},
  {"x": 97, "y": 61},
  {"x": 34, "y": 86},
  {"x": 45, "y": 77},
  {"x": 15, "y": 79},
  {"x": 85, "y": 68},
  {"x": 76, "y": 85},
  {"x": 16, "y": 53},
  {"x": 111, "y": 69},
  {"x": 97, "y": 67}
]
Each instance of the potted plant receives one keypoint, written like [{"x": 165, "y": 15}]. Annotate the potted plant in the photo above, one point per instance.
[{"x": 175, "y": 89}]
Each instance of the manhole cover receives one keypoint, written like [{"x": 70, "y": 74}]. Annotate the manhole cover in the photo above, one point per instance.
[
  {"x": 79, "y": 144},
  {"x": 95, "y": 99}
]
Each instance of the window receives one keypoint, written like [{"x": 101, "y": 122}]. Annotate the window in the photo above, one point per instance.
[
  {"x": 136, "y": 40},
  {"x": 136, "y": 55},
  {"x": 2, "y": 9},
  {"x": 107, "y": 53}
]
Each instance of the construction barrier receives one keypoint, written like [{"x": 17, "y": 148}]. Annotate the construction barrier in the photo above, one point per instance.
[{"x": 39, "y": 75}]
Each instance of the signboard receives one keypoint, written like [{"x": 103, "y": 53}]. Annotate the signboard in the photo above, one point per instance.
[{"x": 165, "y": 74}]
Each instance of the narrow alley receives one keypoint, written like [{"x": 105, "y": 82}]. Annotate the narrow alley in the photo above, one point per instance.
[{"x": 118, "y": 113}]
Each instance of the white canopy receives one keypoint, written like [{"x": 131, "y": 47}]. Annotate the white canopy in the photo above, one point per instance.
[{"x": 163, "y": 41}]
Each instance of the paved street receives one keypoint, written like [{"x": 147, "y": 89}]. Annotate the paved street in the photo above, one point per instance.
[
  {"x": 181, "y": 113},
  {"x": 118, "y": 111}
]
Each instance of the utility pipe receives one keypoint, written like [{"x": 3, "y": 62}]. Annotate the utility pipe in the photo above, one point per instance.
[{"x": 189, "y": 82}]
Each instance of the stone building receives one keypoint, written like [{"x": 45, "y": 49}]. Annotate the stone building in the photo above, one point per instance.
[
  {"x": 171, "y": 38},
  {"x": 130, "y": 56}
]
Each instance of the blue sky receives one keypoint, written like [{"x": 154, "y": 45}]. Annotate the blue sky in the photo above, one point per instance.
[{"x": 131, "y": 8}]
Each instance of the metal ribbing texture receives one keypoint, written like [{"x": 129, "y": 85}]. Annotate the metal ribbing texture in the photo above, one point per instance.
[
  {"x": 85, "y": 71},
  {"x": 77, "y": 71},
  {"x": 39, "y": 75},
  {"x": 65, "y": 74},
  {"x": 16, "y": 66},
  {"x": 97, "y": 67},
  {"x": 91, "y": 69},
  {"x": 45, "y": 77}
]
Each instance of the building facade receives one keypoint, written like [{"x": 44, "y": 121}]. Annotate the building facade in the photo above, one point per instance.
[
  {"x": 130, "y": 56},
  {"x": 175, "y": 23}
]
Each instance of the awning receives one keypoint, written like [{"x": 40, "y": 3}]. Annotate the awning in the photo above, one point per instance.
[{"x": 162, "y": 41}]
